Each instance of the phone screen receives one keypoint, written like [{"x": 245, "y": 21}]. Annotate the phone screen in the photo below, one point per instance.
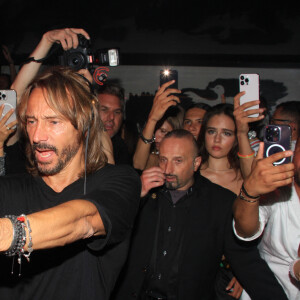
[{"x": 168, "y": 75}]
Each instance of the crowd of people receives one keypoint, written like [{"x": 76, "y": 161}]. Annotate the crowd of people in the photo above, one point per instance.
[{"x": 194, "y": 211}]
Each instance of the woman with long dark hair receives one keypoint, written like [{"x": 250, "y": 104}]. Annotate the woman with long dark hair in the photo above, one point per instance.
[{"x": 218, "y": 147}]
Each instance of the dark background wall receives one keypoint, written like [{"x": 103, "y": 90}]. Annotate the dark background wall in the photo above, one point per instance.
[{"x": 159, "y": 32}]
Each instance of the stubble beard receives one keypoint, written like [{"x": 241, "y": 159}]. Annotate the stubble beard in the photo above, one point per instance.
[
  {"x": 174, "y": 185},
  {"x": 64, "y": 158}
]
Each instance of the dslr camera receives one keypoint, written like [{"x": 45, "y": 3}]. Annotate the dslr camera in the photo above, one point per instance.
[{"x": 83, "y": 57}]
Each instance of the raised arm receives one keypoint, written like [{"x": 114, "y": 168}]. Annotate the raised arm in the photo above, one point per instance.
[
  {"x": 162, "y": 101},
  {"x": 242, "y": 123},
  {"x": 68, "y": 39},
  {"x": 10, "y": 61},
  {"x": 264, "y": 178}
]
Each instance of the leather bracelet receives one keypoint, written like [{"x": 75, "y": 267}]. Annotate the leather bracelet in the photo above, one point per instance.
[
  {"x": 147, "y": 141},
  {"x": 244, "y": 199},
  {"x": 249, "y": 196}
]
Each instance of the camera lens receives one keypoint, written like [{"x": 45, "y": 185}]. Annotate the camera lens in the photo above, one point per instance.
[
  {"x": 76, "y": 61},
  {"x": 242, "y": 83},
  {"x": 247, "y": 80},
  {"x": 242, "y": 77}
]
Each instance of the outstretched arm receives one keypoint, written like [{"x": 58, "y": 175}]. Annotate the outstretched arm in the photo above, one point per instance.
[
  {"x": 107, "y": 209},
  {"x": 68, "y": 39},
  {"x": 162, "y": 101},
  {"x": 57, "y": 226}
]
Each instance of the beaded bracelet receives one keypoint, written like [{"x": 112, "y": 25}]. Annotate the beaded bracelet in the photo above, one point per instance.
[
  {"x": 245, "y": 155},
  {"x": 23, "y": 218},
  {"x": 19, "y": 237},
  {"x": 147, "y": 141}
]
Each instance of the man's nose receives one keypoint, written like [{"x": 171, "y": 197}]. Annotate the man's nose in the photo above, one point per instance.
[
  {"x": 39, "y": 133},
  {"x": 168, "y": 168},
  {"x": 110, "y": 116}
]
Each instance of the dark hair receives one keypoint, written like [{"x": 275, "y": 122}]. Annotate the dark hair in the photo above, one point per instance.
[
  {"x": 174, "y": 116},
  {"x": 219, "y": 109},
  {"x": 182, "y": 133},
  {"x": 200, "y": 105},
  {"x": 113, "y": 89},
  {"x": 68, "y": 94},
  {"x": 292, "y": 109}
]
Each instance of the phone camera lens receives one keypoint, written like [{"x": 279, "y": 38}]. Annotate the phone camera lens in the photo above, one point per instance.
[
  {"x": 247, "y": 80},
  {"x": 242, "y": 83},
  {"x": 242, "y": 77}
]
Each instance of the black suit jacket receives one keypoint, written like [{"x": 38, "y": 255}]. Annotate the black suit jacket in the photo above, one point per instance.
[{"x": 208, "y": 235}]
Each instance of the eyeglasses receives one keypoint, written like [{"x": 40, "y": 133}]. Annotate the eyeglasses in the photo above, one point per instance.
[{"x": 274, "y": 121}]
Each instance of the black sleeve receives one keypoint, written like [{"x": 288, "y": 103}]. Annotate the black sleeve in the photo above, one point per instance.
[
  {"x": 117, "y": 197},
  {"x": 250, "y": 269}
]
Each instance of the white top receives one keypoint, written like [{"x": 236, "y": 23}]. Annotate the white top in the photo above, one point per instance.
[{"x": 280, "y": 225}]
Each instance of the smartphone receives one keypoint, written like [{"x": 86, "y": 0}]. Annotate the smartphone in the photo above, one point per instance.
[
  {"x": 168, "y": 75},
  {"x": 9, "y": 99},
  {"x": 277, "y": 138},
  {"x": 249, "y": 83}
]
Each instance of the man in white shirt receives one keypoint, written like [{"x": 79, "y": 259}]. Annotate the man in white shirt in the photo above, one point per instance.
[{"x": 275, "y": 217}]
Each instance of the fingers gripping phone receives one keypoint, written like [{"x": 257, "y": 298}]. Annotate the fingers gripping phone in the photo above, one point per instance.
[
  {"x": 168, "y": 75},
  {"x": 9, "y": 99},
  {"x": 277, "y": 138},
  {"x": 249, "y": 83}
]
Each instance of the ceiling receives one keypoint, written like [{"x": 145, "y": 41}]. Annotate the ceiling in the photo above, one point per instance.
[{"x": 155, "y": 32}]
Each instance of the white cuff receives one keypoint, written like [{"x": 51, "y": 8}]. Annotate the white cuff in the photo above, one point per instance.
[{"x": 291, "y": 268}]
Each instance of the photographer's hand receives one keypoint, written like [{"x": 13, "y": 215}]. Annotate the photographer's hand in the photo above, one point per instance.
[{"x": 68, "y": 39}]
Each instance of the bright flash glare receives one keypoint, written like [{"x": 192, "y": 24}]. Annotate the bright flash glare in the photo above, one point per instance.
[{"x": 166, "y": 72}]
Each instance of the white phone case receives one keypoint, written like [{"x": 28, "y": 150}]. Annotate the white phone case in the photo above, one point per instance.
[
  {"x": 250, "y": 84},
  {"x": 9, "y": 99}
]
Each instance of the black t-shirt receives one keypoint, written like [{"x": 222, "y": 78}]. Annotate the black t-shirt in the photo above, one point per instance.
[
  {"x": 15, "y": 159},
  {"x": 121, "y": 153},
  {"x": 86, "y": 269}
]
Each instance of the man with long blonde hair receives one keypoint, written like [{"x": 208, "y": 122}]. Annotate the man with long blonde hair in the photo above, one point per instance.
[{"x": 68, "y": 222}]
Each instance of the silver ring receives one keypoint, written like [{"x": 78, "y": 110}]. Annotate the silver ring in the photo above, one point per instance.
[{"x": 7, "y": 128}]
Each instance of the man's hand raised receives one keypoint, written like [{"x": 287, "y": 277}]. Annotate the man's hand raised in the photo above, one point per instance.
[{"x": 151, "y": 178}]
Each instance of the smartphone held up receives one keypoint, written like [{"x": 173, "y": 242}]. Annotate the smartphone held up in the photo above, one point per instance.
[
  {"x": 8, "y": 98},
  {"x": 249, "y": 83},
  {"x": 277, "y": 138},
  {"x": 168, "y": 75}
]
